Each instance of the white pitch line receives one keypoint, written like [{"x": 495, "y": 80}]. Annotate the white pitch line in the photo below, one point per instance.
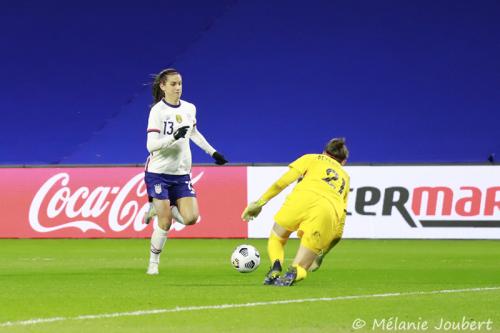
[{"x": 232, "y": 306}]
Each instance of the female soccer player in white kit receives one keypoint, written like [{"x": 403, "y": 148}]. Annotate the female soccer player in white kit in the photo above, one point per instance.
[{"x": 172, "y": 122}]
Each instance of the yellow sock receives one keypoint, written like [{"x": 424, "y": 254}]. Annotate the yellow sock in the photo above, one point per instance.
[
  {"x": 276, "y": 248},
  {"x": 301, "y": 273}
]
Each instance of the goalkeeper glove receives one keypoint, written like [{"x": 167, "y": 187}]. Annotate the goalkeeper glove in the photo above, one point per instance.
[
  {"x": 219, "y": 158},
  {"x": 180, "y": 132},
  {"x": 253, "y": 210}
]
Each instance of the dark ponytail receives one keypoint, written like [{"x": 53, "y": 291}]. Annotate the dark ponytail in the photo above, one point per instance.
[
  {"x": 337, "y": 149},
  {"x": 159, "y": 78}
]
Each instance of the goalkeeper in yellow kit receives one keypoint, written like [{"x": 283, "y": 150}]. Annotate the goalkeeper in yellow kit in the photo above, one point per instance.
[{"x": 316, "y": 210}]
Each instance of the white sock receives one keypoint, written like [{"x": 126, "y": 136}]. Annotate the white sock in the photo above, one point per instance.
[
  {"x": 177, "y": 215},
  {"x": 158, "y": 239}
]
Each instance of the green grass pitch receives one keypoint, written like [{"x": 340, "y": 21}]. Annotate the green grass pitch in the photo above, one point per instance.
[{"x": 67, "y": 279}]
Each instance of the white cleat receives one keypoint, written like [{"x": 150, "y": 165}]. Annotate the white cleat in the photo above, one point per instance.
[
  {"x": 176, "y": 215},
  {"x": 316, "y": 264},
  {"x": 153, "y": 268},
  {"x": 150, "y": 214}
]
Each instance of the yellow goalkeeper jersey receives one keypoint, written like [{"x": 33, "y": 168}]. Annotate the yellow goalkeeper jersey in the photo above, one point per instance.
[{"x": 322, "y": 175}]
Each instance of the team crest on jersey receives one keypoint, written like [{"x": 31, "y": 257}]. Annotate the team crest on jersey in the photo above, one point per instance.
[
  {"x": 158, "y": 188},
  {"x": 178, "y": 118}
]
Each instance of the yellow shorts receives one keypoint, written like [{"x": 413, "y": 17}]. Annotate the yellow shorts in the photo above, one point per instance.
[{"x": 316, "y": 220}]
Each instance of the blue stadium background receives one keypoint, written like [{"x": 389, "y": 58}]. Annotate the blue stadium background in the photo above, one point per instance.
[{"x": 404, "y": 81}]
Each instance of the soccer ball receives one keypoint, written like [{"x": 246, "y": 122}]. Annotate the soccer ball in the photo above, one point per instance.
[{"x": 245, "y": 258}]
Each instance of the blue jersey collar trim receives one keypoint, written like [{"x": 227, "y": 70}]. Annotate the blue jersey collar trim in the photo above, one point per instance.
[{"x": 171, "y": 105}]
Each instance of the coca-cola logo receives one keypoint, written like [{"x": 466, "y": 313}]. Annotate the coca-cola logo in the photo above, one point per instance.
[{"x": 57, "y": 205}]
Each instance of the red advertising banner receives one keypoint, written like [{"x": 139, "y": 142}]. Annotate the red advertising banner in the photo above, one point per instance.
[{"x": 110, "y": 202}]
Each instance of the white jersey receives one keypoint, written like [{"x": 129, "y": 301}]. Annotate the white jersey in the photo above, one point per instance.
[{"x": 165, "y": 119}]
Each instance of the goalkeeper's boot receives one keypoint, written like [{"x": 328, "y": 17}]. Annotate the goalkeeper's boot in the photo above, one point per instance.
[
  {"x": 288, "y": 279},
  {"x": 153, "y": 268},
  {"x": 273, "y": 274},
  {"x": 150, "y": 214}
]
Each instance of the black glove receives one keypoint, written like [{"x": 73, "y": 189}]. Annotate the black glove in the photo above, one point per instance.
[
  {"x": 180, "y": 132},
  {"x": 219, "y": 158}
]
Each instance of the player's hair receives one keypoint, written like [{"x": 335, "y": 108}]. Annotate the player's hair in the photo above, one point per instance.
[
  {"x": 337, "y": 149},
  {"x": 161, "y": 77}
]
